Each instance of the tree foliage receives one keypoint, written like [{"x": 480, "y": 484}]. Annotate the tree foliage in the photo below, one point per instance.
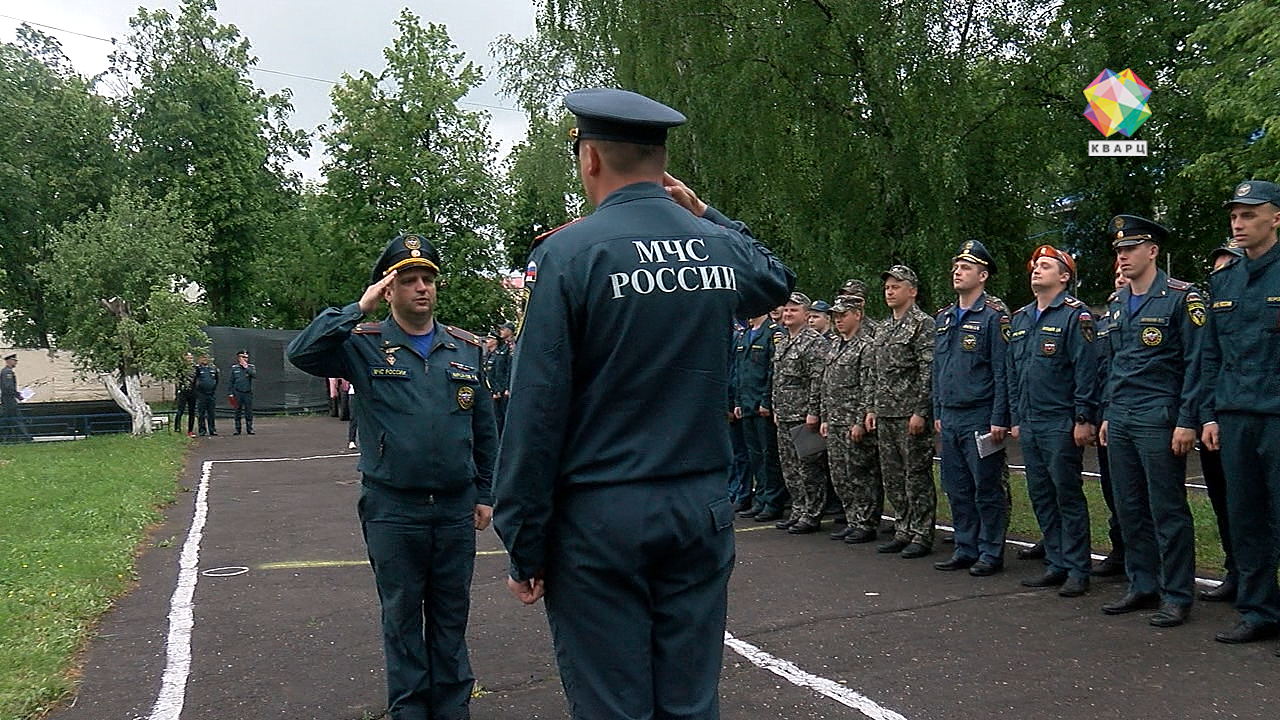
[
  {"x": 57, "y": 160},
  {"x": 196, "y": 125},
  {"x": 404, "y": 156},
  {"x": 115, "y": 278}
]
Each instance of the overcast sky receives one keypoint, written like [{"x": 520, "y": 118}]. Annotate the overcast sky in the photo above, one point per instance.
[{"x": 315, "y": 38}]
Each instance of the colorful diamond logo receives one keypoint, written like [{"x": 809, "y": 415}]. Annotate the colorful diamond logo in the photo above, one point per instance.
[{"x": 1117, "y": 103}]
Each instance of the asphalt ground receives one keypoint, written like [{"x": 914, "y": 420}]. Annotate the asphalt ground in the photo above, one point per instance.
[{"x": 283, "y": 622}]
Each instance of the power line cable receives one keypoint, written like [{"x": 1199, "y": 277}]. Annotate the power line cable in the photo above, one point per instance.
[{"x": 251, "y": 69}]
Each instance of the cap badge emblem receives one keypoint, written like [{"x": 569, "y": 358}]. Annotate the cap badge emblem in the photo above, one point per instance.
[
  {"x": 1119, "y": 223},
  {"x": 1243, "y": 190},
  {"x": 412, "y": 242}
]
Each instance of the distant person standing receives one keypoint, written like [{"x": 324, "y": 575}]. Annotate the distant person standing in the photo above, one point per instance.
[
  {"x": 500, "y": 376},
  {"x": 243, "y": 373},
  {"x": 205, "y": 384},
  {"x": 902, "y": 414},
  {"x": 10, "y": 412},
  {"x": 184, "y": 397}
]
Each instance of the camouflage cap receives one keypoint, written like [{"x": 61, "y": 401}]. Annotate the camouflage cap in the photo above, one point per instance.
[
  {"x": 901, "y": 272},
  {"x": 799, "y": 298},
  {"x": 846, "y": 303},
  {"x": 854, "y": 287}
]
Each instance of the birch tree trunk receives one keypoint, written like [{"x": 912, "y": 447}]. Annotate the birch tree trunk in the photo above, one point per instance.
[{"x": 130, "y": 400}]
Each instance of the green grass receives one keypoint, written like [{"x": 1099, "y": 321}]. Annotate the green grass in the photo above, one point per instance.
[
  {"x": 1022, "y": 522},
  {"x": 72, "y": 516}
]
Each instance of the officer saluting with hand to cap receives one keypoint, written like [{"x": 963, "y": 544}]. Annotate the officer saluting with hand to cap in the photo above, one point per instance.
[
  {"x": 610, "y": 491},
  {"x": 427, "y": 447},
  {"x": 1150, "y": 422}
]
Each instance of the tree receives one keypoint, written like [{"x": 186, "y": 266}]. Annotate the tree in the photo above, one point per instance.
[
  {"x": 57, "y": 160},
  {"x": 404, "y": 156},
  {"x": 196, "y": 125},
  {"x": 116, "y": 276}
]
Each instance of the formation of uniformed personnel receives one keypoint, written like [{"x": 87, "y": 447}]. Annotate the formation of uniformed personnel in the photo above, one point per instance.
[
  {"x": 610, "y": 492},
  {"x": 243, "y": 373},
  {"x": 10, "y": 412},
  {"x": 753, "y": 406},
  {"x": 1053, "y": 400},
  {"x": 1241, "y": 403},
  {"x": 204, "y": 383},
  {"x": 902, "y": 414},
  {"x": 427, "y": 448},
  {"x": 1150, "y": 422},
  {"x": 846, "y": 399},
  {"x": 798, "y": 363},
  {"x": 970, "y": 399}
]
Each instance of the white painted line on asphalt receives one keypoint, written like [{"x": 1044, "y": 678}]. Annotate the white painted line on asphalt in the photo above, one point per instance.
[
  {"x": 173, "y": 686},
  {"x": 830, "y": 688}
]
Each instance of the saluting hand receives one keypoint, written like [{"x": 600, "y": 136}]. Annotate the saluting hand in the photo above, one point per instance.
[
  {"x": 373, "y": 294},
  {"x": 683, "y": 196}
]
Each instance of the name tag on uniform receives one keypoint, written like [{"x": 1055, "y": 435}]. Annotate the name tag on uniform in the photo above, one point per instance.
[
  {"x": 1225, "y": 304},
  {"x": 1153, "y": 321},
  {"x": 971, "y": 327},
  {"x": 1051, "y": 329},
  {"x": 463, "y": 375},
  {"x": 389, "y": 373},
  {"x": 1017, "y": 334}
]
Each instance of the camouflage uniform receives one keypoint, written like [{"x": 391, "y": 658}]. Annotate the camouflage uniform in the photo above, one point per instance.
[
  {"x": 846, "y": 400},
  {"x": 798, "y": 363},
  {"x": 903, "y": 383}
]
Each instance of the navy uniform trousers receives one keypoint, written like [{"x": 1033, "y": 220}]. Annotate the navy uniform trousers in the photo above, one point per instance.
[
  {"x": 979, "y": 501},
  {"x": 761, "y": 437},
  {"x": 1054, "y": 484},
  {"x": 1149, "y": 483},
  {"x": 641, "y": 565},
  {"x": 422, "y": 548},
  {"x": 1251, "y": 461}
]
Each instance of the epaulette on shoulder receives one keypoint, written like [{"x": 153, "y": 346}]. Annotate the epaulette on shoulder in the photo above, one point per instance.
[
  {"x": 1021, "y": 309},
  {"x": 1073, "y": 302},
  {"x": 538, "y": 240},
  {"x": 1176, "y": 284},
  {"x": 369, "y": 328},
  {"x": 462, "y": 335},
  {"x": 946, "y": 309},
  {"x": 1229, "y": 263},
  {"x": 997, "y": 304},
  {"x": 1115, "y": 295}
]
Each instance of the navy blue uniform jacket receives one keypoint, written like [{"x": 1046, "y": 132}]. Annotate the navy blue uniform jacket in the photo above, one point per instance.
[
  {"x": 620, "y": 371},
  {"x": 426, "y": 424}
]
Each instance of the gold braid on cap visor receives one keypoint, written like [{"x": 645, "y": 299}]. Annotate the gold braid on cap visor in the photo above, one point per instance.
[{"x": 411, "y": 261}]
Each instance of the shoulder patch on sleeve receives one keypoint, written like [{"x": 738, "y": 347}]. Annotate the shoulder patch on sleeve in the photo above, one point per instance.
[
  {"x": 369, "y": 328},
  {"x": 1195, "y": 308},
  {"x": 1087, "y": 330},
  {"x": 462, "y": 335},
  {"x": 1176, "y": 284},
  {"x": 538, "y": 240}
]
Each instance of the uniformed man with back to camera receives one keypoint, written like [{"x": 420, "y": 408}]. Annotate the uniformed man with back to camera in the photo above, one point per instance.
[
  {"x": 427, "y": 448},
  {"x": 1150, "y": 421},
  {"x": 610, "y": 494}
]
